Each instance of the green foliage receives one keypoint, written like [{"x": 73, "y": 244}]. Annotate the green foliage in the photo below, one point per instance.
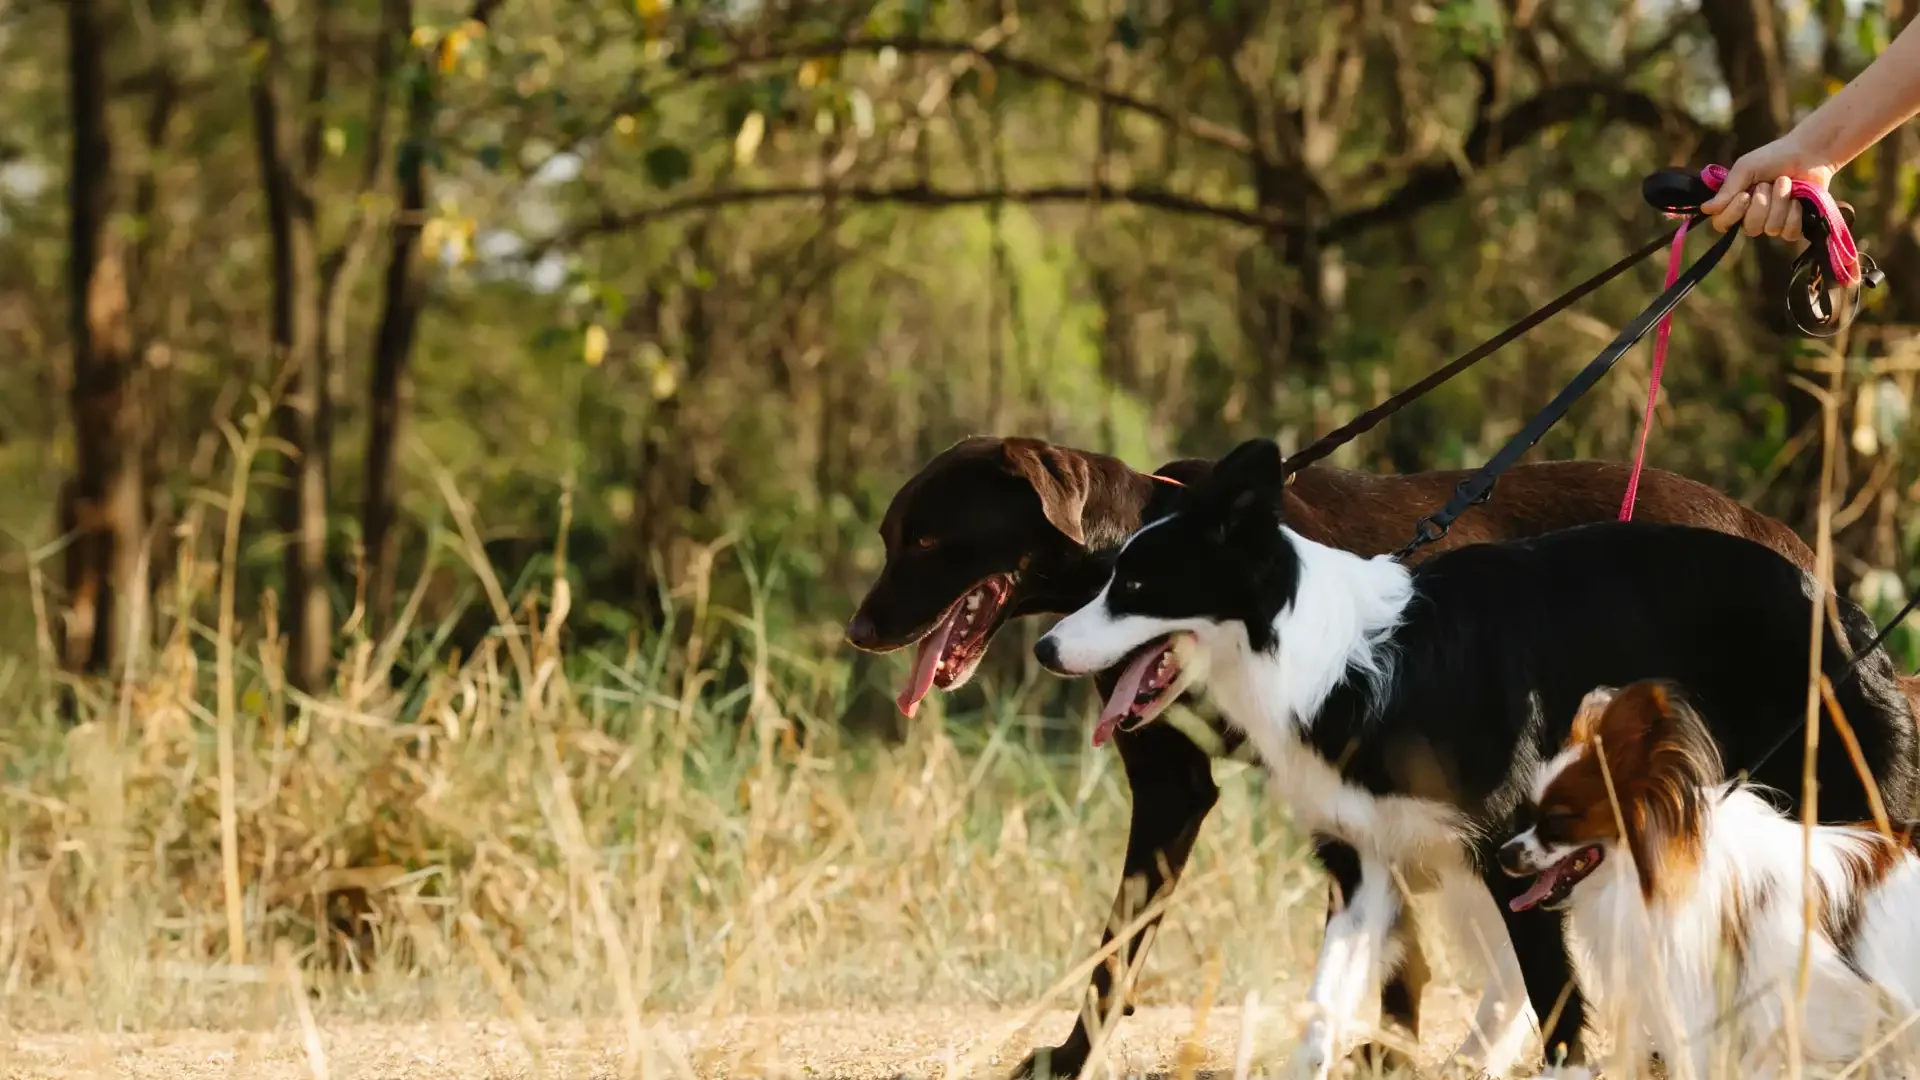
[
  {"x": 668, "y": 165},
  {"x": 767, "y": 371}
]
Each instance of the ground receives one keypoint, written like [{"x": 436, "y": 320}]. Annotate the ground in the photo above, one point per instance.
[{"x": 852, "y": 1045}]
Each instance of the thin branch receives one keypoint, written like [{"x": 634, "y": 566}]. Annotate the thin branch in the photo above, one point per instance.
[
  {"x": 1197, "y": 127},
  {"x": 918, "y": 195},
  {"x": 1426, "y": 186},
  {"x": 1441, "y": 180}
]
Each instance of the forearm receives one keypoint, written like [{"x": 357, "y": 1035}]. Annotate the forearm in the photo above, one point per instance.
[{"x": 1881, "y": 98}]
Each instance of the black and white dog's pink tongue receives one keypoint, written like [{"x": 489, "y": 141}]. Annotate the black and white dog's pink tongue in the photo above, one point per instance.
[
  {"x": 926, "y": 661},
  {"x": 1541, "y": 888},
  {"x": 1120, "y": 703}
]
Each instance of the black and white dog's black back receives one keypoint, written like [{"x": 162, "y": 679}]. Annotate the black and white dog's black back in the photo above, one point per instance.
[{"x": 1405, "y": 714}]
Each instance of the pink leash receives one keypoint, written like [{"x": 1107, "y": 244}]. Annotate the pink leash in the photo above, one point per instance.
[{"x": 1842, "y": 255}]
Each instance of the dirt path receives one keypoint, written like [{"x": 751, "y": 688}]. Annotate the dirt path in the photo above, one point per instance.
[{"x": 815, "y": 1045}]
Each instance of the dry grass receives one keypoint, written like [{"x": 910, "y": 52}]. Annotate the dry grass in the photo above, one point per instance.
[
  {"x": 528, "y": 836},
  {"x": 531, "y": 860}
]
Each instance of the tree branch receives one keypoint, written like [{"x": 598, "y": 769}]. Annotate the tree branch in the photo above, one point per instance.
[
  {"x": 1437, "y": 181},
  {"x": 1426, "y": 185},
  {"x": 1199, "y": 128},
  {"x": 917, "y": 195}
]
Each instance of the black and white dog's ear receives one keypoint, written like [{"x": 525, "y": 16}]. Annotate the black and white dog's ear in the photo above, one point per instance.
[{"x": 1246, "y": 489}]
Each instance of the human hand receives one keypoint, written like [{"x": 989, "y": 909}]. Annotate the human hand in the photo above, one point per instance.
[{"x": 1757, "y": 194}]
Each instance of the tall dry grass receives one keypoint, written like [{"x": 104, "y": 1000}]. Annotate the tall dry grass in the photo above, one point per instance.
[{"x": 534, "y": 832}]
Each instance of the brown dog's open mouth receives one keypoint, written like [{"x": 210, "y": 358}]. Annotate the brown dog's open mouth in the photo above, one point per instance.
[
  {"x": 1148, "y": 685},
  {"x": 1553, "y": 885},
  {"x": 946, "y": 656}
]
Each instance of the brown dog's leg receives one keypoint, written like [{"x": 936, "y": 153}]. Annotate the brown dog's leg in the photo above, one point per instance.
[{"x": 1173, "y": 791}]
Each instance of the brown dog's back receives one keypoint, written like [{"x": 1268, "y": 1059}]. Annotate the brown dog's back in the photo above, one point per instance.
[{"x": 1369, "y": 514}]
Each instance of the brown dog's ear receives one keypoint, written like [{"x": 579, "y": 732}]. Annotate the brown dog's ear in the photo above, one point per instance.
[{"x": 1059, "y": 476}]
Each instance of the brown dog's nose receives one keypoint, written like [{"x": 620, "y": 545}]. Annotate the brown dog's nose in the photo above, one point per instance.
[{"x": 860, "y": 631}]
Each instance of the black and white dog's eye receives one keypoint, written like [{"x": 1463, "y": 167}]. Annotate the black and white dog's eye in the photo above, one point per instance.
[{"x": 1130, "y": 586}]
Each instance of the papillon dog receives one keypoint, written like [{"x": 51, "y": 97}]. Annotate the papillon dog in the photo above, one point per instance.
[{"x": 1687, "y": 895}]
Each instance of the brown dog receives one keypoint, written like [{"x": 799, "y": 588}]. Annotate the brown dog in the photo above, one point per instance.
[{"x": 994, "y": 529}]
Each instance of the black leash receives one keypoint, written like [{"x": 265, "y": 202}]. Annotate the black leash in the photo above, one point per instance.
[
  {"x": 1853, "y": 665},
  {"x": 1478, "y": 487},
  {"x": 1810, "y": 303}
]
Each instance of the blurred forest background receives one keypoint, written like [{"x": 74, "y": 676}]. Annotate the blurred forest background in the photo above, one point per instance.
[{"x": 355, "y": 347}]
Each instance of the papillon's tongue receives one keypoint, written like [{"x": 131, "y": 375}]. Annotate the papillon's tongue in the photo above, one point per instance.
[
  {"x": 1541, "y": 888},
  {"x": 926, "y": 659},
  {"x": 1120, "y": 703}
]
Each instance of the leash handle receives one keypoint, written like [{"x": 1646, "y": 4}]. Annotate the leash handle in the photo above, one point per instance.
[
  {"x": 1823, "y": 220},
  {"x": 1831, "y": 261}
]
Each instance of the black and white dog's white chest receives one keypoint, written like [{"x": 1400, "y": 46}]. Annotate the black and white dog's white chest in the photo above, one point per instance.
[{"x": 1316, "y": 780}]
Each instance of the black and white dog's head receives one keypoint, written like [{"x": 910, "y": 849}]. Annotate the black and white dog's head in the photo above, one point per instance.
[
  {"x": 1218, "y": 560},
  {"x": 1221, "y": 576}
]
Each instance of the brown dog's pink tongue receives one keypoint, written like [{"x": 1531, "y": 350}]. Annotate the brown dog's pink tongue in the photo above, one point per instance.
[
  {"x": 1120, "y": 702},
  {"x": 926, "y": 659},
  {"x": 1541, "y": 888}
]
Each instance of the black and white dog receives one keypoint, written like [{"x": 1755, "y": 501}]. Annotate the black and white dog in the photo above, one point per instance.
[{"x": 1405, "y": 713}]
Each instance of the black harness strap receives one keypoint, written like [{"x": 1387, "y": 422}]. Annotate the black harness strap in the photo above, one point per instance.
[{"x": 1476, "y": 488}]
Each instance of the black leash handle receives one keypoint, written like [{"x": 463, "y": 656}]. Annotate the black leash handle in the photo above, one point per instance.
[
  {"x": 1673, "y": 191},
  {"x": 1478, "y": 487},
  {"x": 1811, "y": 287}
]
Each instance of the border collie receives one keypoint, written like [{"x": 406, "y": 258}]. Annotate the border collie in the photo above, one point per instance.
[
  {"x": 1687, "y": 893},
  {"x": 1404, "y": 712}
]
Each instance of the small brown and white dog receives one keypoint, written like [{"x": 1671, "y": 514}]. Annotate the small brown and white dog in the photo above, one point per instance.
[{"x": 1685, "y": 893}]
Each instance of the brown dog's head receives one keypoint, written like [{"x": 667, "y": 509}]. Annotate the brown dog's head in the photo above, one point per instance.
[
  {"x": 992, "y": 528},
  {"x": 1639, "y": 758}
]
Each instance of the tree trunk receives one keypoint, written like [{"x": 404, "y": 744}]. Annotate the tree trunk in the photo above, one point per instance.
[
  {"x": 393, "y": 341},
  {"x": 103, "y": 505},
  {"x": 304, "y": 414}
]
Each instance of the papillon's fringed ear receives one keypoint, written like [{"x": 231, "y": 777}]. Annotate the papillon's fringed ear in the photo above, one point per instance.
[{"x": 1586, "y": 719}]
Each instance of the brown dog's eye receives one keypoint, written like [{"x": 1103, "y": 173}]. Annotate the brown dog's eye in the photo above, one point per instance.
[{"x": 925, "y": 543}]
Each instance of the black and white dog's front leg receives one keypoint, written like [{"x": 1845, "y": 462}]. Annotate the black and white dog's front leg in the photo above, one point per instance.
[{"x": 1356, "y": 956}]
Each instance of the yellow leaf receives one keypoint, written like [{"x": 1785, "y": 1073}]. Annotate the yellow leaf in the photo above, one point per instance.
[
  {"x": 626, "y": 124},
  {"x": 594, "y": 347},
  {"x": 665, "y": 381},
  {"x": 810, "y": 73},
  {"x": 336, "y": 141},
  {"x": 747, "y": 143},
  {"x": 451, "y": 48}
]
